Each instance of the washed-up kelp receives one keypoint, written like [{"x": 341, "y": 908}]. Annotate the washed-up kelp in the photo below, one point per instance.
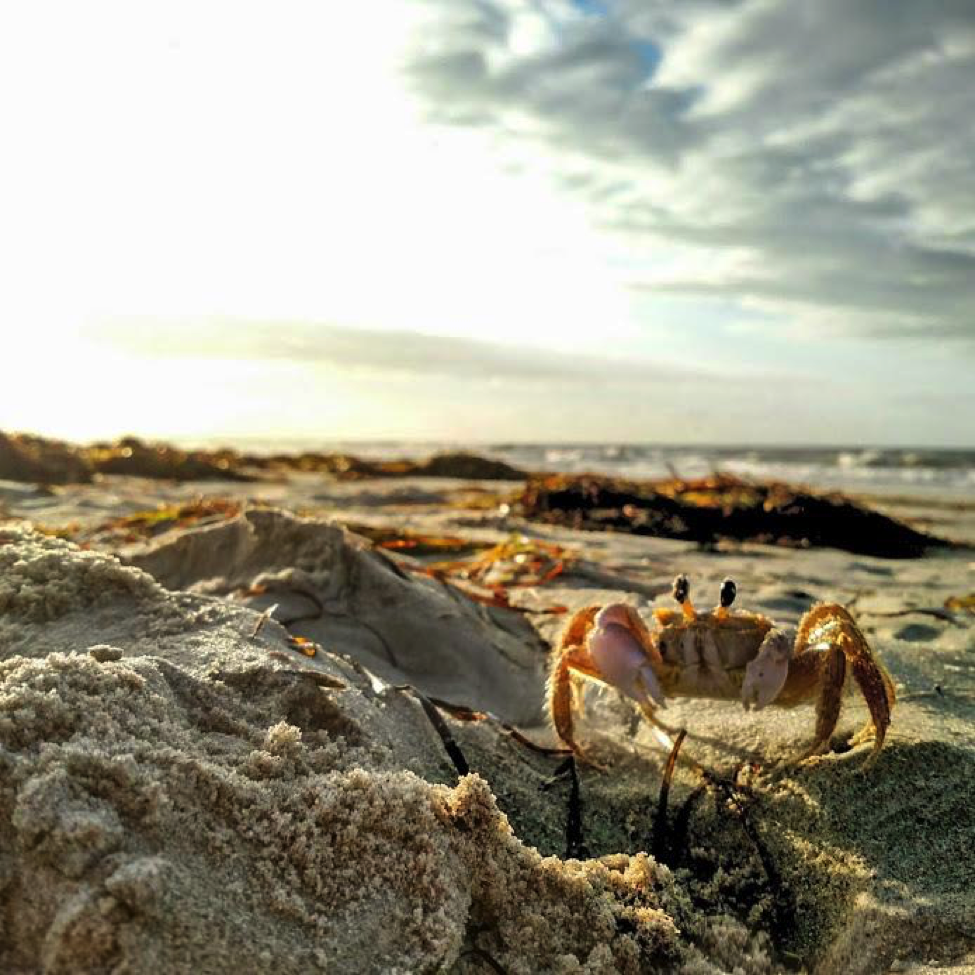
[
  {"x": 416, "y": 544},
  {"x": 349, "y": 467},
  {"x": 519, "y": 561},
  {"x": 707, "y": 510},
  {"x": 133, "y": 457},
  {"x": 140, "y": 526},
  {"x": 38, "y": 460},
  {"x": 24, "y": 457}
]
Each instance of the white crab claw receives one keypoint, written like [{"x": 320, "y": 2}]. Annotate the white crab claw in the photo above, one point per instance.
[
  {"x": 613, "y": 613},
  {"x": 622, "y": 660},
  {"x": 765, "y": 675},
  {"x": 650, "y": 685}
]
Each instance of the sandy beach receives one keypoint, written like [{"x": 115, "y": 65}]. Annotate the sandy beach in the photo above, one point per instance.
[
  {"x": 256, "y": 734},
  {"x": 487, "y": 488}
]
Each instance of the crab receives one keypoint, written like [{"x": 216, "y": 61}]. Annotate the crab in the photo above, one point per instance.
[{"x": 721, "y": 653}]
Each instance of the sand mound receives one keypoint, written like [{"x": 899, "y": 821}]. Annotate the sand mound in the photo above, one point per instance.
[
  {"x": 137, "y": 834},
  {"x": 42, "y": 578},
  {"x": 333, "y": 588},
  {"x": 241, "y": 813}
]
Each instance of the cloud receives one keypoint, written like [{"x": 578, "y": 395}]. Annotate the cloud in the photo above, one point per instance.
[
  {"x": 387, "y": 384},
  {"x": 401, "y": 353},
  {"x": 824, "y": 146}
]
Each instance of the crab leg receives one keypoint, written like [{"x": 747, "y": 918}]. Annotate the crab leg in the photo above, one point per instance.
[
  {"x": 832, "y": 624},
  {"x": 877, "y": 689},
  {"x": 832, "y": 676},
  {"x": 560, "y": 690},
  {"x": 662, "y": 732}
]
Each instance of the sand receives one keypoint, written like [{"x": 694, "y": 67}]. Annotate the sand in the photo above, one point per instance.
[{"x": 184, "y": 789}]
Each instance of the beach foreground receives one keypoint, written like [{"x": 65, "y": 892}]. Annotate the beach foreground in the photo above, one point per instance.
[{"x": 220, "y": 753}]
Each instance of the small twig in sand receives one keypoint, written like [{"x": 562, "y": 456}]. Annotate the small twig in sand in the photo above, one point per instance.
[
  {"x": 462, "y": 713},
  {"x": 440, "y": 726},
  {"x": 681, "y": 825},
  {"x": 262, "y": 619},
  {"x": 660, "y": 822},
  {"x": 733, "y": 795}
]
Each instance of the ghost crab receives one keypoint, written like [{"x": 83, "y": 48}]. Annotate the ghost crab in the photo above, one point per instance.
[{"x": 720, "y": 653}]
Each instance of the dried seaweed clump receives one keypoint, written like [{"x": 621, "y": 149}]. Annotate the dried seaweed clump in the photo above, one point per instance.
[
  {"x": 721, "y": 507},
  {"x": 24, "y": 457},
  {"x": 349, "y": 467},
  {"x": 134, "y": 457}
]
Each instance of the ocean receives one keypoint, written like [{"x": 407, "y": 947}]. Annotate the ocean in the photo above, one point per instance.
[
  {"x": 908, "y": 470},
  {"x": 914, "y": 471}
]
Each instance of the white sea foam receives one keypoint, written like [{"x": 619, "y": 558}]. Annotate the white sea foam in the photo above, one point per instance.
[{"x": 911, "y": 470}]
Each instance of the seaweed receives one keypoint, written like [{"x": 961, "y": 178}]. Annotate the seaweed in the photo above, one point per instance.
[
  {"x": 958, "y": 603},
  {"x": 721, "y": 507},
  {"x": 517, "y": 562},
  {"x": 349, "y": 467},
  {"x": 133, "y": 457},
  {"x": 416, "y": 544},
  {"x": 24, "y": 457},
  {"x": 144, "y": 525},
  {"x": 39, "y": 460}
]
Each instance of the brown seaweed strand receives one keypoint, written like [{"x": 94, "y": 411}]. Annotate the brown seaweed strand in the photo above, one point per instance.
[{"x": 440, "y": 726}]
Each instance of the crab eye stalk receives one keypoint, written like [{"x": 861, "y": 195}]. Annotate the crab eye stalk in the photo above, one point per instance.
[
  {"x": 682, "y": 593},
  {"x": 728, "y": 592},
  {"x": 682, "y": 589}
]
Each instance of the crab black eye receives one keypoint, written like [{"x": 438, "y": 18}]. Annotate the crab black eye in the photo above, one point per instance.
[
  {"x": 682, "y": 588},
  {"x": 728, "y": 592}
]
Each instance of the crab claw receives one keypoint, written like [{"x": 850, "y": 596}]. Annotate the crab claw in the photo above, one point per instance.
[
  {"x": 766, "y": 674},
  {"x": 621, "y": 658}
]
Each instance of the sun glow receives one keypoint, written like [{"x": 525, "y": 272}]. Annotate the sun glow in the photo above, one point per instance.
[{"x": 214, "y": 163}]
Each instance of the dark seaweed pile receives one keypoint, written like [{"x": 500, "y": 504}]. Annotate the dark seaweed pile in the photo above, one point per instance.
[
  {"x": 710, "y": 509},
  {"x": 40, "y": 460}
]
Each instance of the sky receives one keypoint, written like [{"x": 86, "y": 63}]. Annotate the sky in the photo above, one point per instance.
[{"x": 678, "y": 221}]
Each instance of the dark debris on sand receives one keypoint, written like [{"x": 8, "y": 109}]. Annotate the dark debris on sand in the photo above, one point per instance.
[
  {"x": 458, "y": 464},
  {"x": 39, "y": 460},
  {"x": 133, "y": 457},
  {"x": 706, "y": 510}
]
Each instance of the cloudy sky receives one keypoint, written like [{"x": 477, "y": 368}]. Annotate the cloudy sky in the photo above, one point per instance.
[{"x": 476, "y": 220}]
